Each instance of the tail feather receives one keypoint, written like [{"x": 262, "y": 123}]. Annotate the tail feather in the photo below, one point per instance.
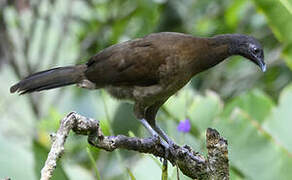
[{"x": 49, "y": 79}]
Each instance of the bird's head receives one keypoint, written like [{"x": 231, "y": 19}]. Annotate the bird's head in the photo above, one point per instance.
[{"x": 248, "y": 47}]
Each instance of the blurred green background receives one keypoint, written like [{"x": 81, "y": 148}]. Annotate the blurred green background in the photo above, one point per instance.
[{"x": 250, "y": 108}]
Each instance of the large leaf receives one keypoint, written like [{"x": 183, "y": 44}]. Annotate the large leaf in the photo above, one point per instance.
[
  {"x": 255, "y": 103},
  {"x": 177, "y": 105},
  {"x": 203, "y": 111},
  {"x": 252, "y": 147},
  {"x": 280, "y": 122},
  {"x": 16, "y": 133},
  {"x": 279, "y": 15},
  {"x": 233, "y": 13},
  {"x": 252, "y": 150},
  {"x": 16, "y": 160}
]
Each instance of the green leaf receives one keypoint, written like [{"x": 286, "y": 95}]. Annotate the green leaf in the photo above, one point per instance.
[
  {"x": 287, "y": 5},
  {"x": 232, "y": 14},
  {"x": 279, "y": 15},
  {"x": 234, "y": 175},
  {"x": 280, "y": 122},
  {"x": 255, "y": 103},
  {"x": 93, "y": 163},
  {"x": 176, "y": 108},
  {"x": 16, "y": 160},
  {"x": 52, "y": 121},
  {"x": 178, "y": 104},
  {"x": 287, "y": 55},
  {"x": 131, "y": 174},
  {"x": 164, "y": 175},
  {"x": 131, "y": 134},
  {"x": 278, "y": 18},
  {"x": 200, "y": 110},
  {"x": 77, "y": 172},
  {"x": 252, "y": 149},
  {"x": 204, "y": 110},
  {"x": 146, "y": 163}
]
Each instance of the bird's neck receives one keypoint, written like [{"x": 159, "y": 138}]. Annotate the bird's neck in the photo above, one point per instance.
[
  {"x": 222, "y": 47},
  {"x": 217, "y": 50},
  {"x": 230, "y": 41}
]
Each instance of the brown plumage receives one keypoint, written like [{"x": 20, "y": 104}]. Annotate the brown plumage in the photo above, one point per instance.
[{"x": 147, "y": 70}]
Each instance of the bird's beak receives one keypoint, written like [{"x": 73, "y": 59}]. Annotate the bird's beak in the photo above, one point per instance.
[{"x": 261, "y": 63}]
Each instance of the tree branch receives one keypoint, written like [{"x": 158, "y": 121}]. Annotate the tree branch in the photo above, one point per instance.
[{"x": 191, "y": 163}]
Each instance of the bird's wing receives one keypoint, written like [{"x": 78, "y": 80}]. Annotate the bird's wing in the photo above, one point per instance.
[{"x": 132, "y": 63}]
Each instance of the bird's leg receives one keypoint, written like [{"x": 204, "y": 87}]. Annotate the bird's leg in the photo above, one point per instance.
[
  {"x": 139, "y": 111},
  {"x": 163, "y": 135},
  {"x": 150, "y": 115},
  {"x": 148, "y": 127},
  {"x": 152, "y": 131}
]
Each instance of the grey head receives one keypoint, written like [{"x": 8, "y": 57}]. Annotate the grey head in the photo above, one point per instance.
[{"x": 246, "y": 46}]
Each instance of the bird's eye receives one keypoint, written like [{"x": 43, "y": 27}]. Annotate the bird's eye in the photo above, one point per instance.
[{"x": 256, "y": 50}]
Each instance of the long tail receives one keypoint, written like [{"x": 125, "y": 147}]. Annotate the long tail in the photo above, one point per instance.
[{"x": 52, "y": 78}]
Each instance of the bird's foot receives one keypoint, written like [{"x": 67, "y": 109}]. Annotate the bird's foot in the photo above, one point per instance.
[
  {"x": 169, "y": 147},
  {"x": 171, "y": 144}
]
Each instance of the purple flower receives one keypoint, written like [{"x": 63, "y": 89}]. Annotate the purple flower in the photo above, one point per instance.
[{"x": 184, "y": 126}]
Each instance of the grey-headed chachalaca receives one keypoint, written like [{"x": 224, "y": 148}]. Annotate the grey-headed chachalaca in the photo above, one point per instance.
[{"x": 147, "y": 70}]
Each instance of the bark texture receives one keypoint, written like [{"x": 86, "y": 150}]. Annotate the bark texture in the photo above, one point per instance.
[{"x": 191, "y": 163}]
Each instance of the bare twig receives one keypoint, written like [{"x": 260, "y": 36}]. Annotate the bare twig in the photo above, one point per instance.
[
  {"x": 57, "y": 148},
  {"x": 191, "y": 163}
]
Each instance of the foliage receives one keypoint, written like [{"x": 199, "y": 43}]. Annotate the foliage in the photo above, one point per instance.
[
  {"x": 257, "y": 130},
  {"x": 279, "y": 24}
]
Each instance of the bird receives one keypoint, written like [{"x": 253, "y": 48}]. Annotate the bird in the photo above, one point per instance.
[{"x": 148, "y": 70}]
